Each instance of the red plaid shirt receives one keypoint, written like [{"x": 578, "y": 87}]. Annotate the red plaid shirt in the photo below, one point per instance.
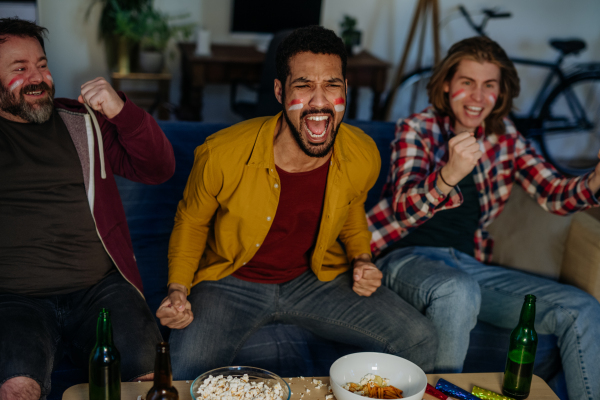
[{"x": 410, "y": 195}]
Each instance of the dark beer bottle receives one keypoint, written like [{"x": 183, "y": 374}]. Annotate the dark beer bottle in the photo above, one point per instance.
[
  {"x": 521, "y": 353},
  {"x": 163, "y": 378},
  {"x": 105, "y": 363}
]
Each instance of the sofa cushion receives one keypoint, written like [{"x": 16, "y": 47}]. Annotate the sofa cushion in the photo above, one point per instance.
[
  {"x": 582, "y": 255},
  {"x": 528, "y": 238}
]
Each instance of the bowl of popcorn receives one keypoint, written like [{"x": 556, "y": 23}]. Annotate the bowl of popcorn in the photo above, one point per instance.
[
  {"x": 239, "y": 383},
  {"x": 377, "y": 376}
]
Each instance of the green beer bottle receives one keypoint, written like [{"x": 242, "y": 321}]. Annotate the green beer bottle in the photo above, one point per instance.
[
  {"x": 163, "y": 378},
  {"x": 105, "y": 363},
  {"x": 521, "y": 353}
]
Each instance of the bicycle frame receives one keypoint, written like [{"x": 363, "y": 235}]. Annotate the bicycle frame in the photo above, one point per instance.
[{"x": 555, "y": 71}]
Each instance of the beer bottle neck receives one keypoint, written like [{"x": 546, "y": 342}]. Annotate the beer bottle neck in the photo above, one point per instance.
[
  {"x": 104, "y": 330},
  {"x": 162, "y": 370},
  {"x": 527, "y": 317}
]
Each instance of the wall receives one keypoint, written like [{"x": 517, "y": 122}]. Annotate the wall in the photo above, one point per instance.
[
  {"x": 385, "y": 25},
  {"x": 76, "y": 56}
]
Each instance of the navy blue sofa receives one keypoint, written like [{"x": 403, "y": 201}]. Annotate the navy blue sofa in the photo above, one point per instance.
[{"x": 284, "y": 349}]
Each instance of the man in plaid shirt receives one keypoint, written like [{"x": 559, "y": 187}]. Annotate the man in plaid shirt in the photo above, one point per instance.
[{"x": 452, "y": 170}]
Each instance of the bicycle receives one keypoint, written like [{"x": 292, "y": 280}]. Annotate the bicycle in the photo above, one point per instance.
[{"x": 565, "y": 116}]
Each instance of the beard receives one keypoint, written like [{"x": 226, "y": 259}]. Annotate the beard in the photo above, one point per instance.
[
  {"x": 317, "y": 150},
  {"x": 37, "y": 112}
]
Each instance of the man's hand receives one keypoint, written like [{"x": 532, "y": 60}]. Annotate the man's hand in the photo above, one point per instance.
[
  {"x": 100, "y": 96},
  {"x": 175, "y": 311},
  {"x": 464, "y": 153},
  {"x": 367, "y": 277}
]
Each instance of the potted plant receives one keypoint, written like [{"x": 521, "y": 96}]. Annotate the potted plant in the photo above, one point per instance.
[
  {"x": 350, "y": 35},
  {"x": 130, "y": 25},
  {"x": 116, "y": 17},
  {"x": 157, "y": 32}
]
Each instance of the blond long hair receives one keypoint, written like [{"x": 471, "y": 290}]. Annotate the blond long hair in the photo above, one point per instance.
[{"x": 480, "y": 49}]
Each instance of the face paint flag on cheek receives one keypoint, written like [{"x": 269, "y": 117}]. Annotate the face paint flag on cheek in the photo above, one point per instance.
[
  {"x": 458, "y": 95},
  {"x": 295, "y": 104},
  {"x": 49, "y": 77},
  {"x": 339, "y": 104},
  {"x": 15, "y": 83},
  {"x": 492, "y": 98}
]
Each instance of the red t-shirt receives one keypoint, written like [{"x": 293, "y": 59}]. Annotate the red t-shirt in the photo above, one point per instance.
[{"x": 285, "y": 252}]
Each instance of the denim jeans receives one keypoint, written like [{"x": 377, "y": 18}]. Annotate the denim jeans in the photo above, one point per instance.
[
  {"x": 36, "y": 332},
  {"x": 228, "y": 311},
  {"x": 454, "y": 289}
]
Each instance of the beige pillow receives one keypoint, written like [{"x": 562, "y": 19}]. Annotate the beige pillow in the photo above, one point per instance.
[
  {"x": 528, "y": 238},
  {"x": 581, "y": 263}
]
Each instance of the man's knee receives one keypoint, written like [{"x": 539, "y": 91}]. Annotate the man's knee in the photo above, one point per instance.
[
  {"x": 20, "y": 388},
  {"x": 461, "y": 292}
]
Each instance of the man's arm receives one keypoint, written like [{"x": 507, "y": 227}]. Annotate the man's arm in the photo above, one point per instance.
[
  {"x": 552, "y": 191},
  {"x": 188, "y": 239},
  {"x": 134, "y": 144},
  {"x": 356, "y": 237},
  {"x": 414, "y": 182}
]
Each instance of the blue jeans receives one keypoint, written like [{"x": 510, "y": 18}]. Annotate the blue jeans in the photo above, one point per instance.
[
  {"x": 228, "y": 311},
  {"x": 454, "y": 289},
  {"x": 35, "y": 332}
]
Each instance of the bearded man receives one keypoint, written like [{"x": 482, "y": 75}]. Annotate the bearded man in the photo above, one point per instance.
[
  {"x": 65, "y": 249},
  {"x": 272, "y": 227}
]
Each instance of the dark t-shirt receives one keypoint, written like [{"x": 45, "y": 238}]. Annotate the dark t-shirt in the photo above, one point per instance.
[
  {"x": 285, "y": 253},
  {"x": 449, "y": 228},
  {"x": 48, "y": 239}
]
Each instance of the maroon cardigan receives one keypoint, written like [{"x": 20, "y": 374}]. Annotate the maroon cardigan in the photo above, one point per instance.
[{"x": 133, "y": 146}]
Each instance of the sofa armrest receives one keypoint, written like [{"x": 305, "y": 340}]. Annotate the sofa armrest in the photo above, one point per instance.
[{"x": 581, "y": 261}]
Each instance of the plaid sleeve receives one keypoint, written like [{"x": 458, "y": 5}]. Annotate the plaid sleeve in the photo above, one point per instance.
[
  {"x": 413, "y": 173},
  {"x": 552, "y": 191}
]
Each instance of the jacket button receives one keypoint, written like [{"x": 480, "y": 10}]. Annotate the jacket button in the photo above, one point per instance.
[
  {"x": 268, "y": 218},
  {"x": 257, "y": 244},
  {"x": 276, "y": 186}
]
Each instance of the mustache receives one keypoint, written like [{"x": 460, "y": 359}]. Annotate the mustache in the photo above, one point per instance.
[
  {"x": 34, "y": 88},
  {"x": 317, "y": 111}
]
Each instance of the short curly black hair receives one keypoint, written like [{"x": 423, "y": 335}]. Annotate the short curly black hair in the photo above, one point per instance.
[
  {"x": 313, "y": 39},
  {"x": 21, "y": 28}
]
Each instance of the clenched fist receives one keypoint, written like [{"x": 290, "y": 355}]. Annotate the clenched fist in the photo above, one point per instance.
[
  {"x": 464, "y": 153},
  {"x": 101, "y": 97}
]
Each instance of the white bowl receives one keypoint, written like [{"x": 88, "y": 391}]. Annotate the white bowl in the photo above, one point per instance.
[
  {"x": 255, "y": 375},
  {"x": 402, "y": 374}
]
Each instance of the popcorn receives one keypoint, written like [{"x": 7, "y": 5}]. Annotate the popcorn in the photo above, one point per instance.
[{"x": 234, "y": 388}]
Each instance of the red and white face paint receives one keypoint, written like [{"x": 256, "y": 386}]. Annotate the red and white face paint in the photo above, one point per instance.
[
  {"x": 458, "y": 95},
  {"x": 492, "y": 98},
  {"x": 339, "y": 104},
  {"x": 49, "y": 77},
  {"x": 15, "y": 83},
  {"x": 296, "y": 104}
]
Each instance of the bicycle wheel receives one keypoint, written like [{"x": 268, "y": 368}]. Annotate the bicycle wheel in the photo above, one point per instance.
[
  {"x": 571, "y": 124},
  {"x": 411, "y": 95}
]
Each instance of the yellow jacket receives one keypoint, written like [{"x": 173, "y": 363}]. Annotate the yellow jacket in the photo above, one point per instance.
[{"x": 232, "y": 194}]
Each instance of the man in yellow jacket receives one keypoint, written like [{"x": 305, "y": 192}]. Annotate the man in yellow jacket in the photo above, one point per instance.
[{"x": 272, "y": 227}]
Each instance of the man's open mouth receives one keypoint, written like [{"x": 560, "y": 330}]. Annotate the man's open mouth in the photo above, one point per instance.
[
  {"x": 317, "y": 125},
  {"x": 34, "y": 92},
  {"x": 473, "y": 111}
]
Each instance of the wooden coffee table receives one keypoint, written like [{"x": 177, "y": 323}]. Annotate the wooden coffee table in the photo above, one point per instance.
[{"x": 490, "y": 381}]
